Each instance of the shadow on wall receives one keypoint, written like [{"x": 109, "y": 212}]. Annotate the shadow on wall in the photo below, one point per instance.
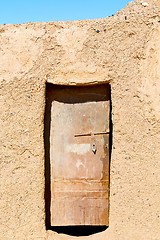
[{"x": 70, "y": 230}]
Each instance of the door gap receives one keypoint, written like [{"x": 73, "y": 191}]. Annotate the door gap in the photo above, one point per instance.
[{"x": 78, "y": 230}]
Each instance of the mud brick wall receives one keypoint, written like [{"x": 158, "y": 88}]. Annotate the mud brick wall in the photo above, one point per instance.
[{"x": 122, "y": 50}]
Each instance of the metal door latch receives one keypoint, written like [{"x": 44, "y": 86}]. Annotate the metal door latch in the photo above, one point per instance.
[
  {"x": 93, "y": 142},
  {"x": 94, "y": 148}
]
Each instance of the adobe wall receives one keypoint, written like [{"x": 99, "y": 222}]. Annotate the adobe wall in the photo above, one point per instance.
[{"x": 115, "y": 50}]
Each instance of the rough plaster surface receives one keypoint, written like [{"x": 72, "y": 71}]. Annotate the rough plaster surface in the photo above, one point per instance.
[{"x": 125, "y": 53}]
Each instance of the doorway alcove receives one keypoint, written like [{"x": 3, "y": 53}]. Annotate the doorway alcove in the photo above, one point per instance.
[{"x": 77, "y": 153}]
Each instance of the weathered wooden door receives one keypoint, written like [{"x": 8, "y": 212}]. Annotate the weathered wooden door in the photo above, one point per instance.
[{"x": 79, "y": 155}]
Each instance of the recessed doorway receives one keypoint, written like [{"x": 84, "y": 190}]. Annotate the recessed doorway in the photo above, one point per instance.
[{"x": 77, "y": 147}]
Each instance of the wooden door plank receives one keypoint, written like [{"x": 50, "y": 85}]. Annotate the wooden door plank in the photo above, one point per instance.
[{"x": 79, "y": 177}]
